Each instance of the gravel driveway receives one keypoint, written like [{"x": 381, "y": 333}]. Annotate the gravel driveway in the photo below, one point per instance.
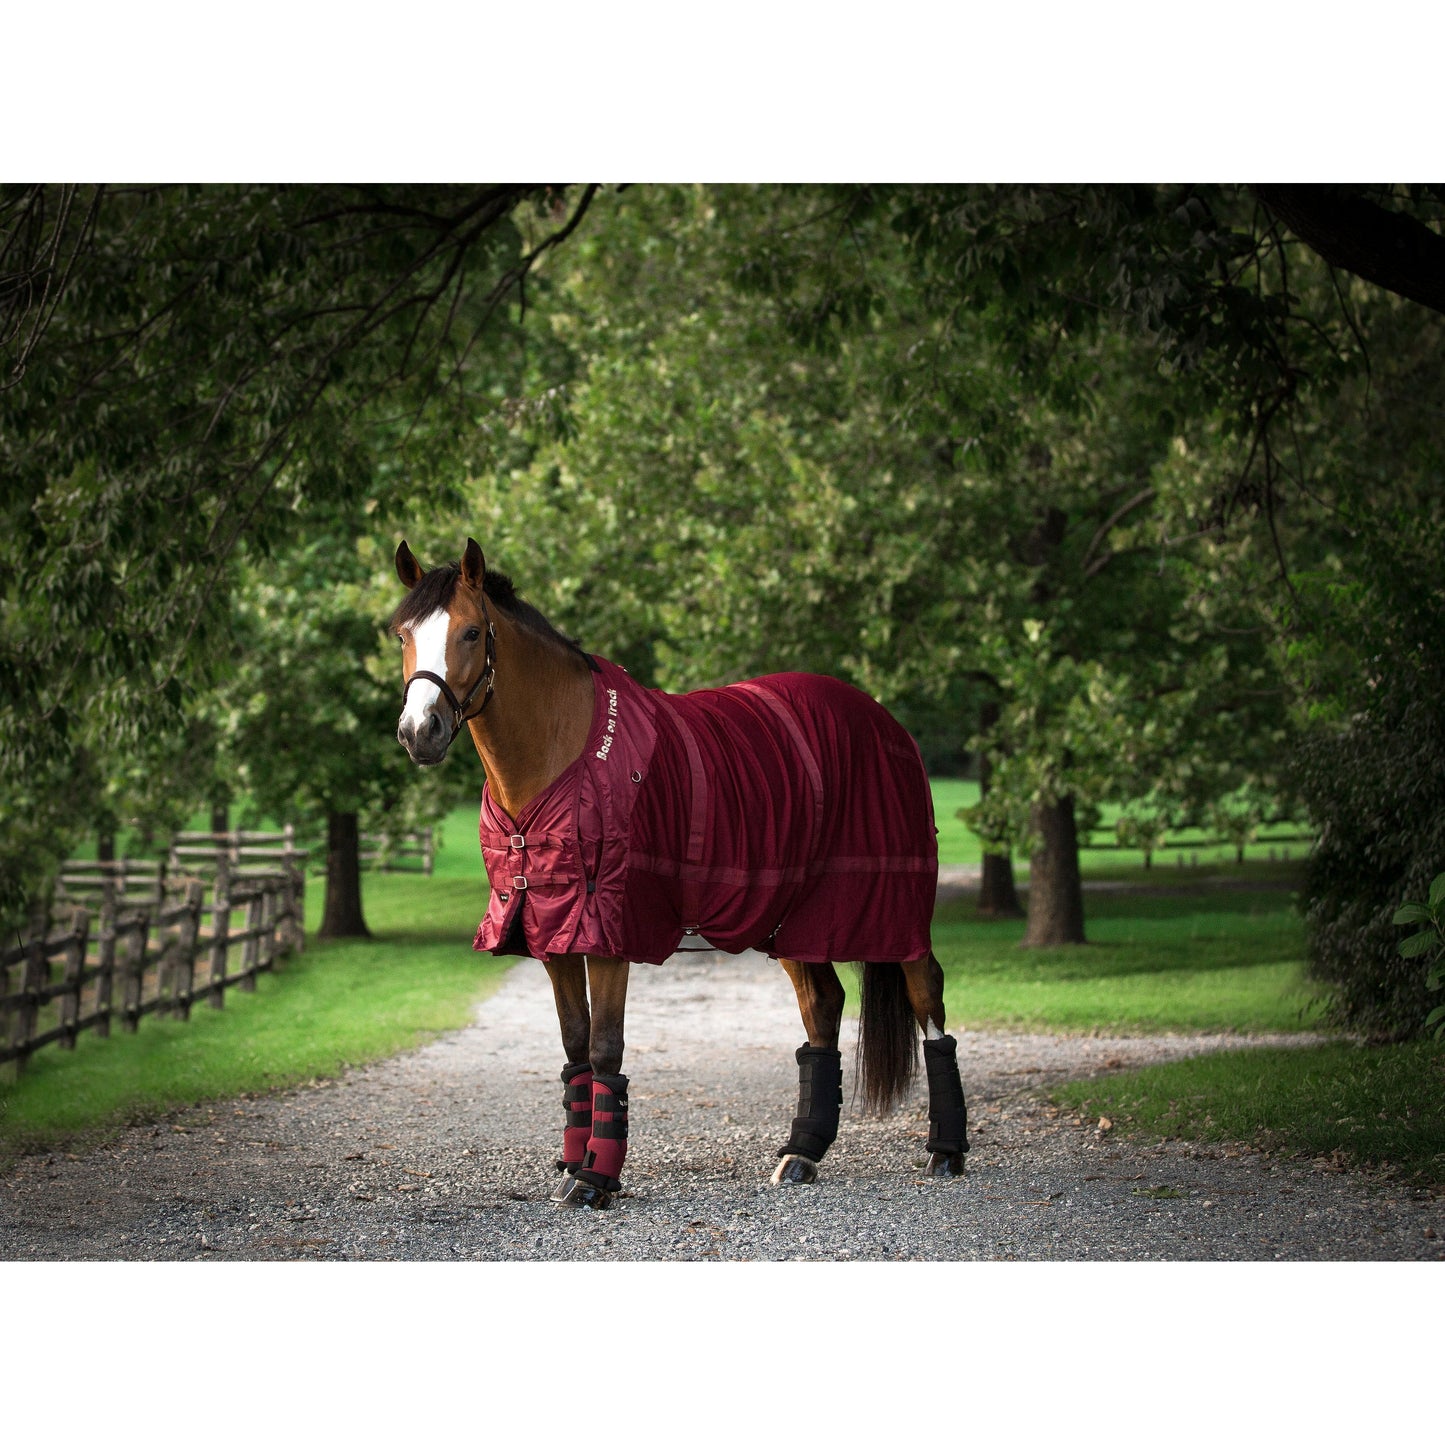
[{"x": 446, "y": 1153}]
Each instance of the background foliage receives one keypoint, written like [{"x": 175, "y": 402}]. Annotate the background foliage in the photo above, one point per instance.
[{"x": 1134, "y": 490}]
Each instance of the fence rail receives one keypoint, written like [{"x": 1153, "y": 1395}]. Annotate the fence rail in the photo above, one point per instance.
[
  {"x": 392, "y": 852},
  {"x": 1197, "y": 845},
  {"x": 384, "y": 852},
  {"x": 158, "y": 947}
]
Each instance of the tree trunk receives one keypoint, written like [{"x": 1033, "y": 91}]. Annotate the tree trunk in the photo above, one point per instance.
[
  {"x": 342, "y": 917},
  {"x": 1056, "y": 895},
  {"x": 220, "y": 818},
  {"x": 105, "y": 845},
  {"x": 997, "y": 895}
]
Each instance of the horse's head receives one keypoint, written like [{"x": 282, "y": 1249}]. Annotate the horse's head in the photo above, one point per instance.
[{"x": 448, "y": 650}]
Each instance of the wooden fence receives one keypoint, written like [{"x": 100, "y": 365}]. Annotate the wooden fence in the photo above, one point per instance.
[
  {"x": 1304, "y": 841},
  {"x": 384, "y": 852},
  {"x": 393, "y": 852},
  {"x": 246, "y": 851},
  {"x": 147, "y": 940}
]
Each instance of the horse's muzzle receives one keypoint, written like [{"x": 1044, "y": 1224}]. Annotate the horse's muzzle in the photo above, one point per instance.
[{"x": 426, "y": 745}]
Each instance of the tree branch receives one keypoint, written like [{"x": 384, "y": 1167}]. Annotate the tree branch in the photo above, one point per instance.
[{"x": 1385, "y": 247}]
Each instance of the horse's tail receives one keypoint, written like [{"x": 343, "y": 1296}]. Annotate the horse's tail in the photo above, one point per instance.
[{"x": 887, "y": 1038}]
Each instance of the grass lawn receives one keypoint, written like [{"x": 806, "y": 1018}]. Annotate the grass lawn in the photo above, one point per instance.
[
  {"x": 338, "y": 1004},
  {"x": 1219, "y": 961},
  {"x": 1346, "y": 1102},
  {"x": 956, "y": 845}
]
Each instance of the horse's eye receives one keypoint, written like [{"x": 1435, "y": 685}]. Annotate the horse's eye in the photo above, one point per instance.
[{"x": 471, "y": 634}]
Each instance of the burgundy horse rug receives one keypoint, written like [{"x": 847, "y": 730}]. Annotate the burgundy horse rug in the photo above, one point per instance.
[{"x": 789, "y": 813}]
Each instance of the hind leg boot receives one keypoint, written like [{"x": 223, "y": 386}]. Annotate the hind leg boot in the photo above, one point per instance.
[{"x": 947, "y": 1111}]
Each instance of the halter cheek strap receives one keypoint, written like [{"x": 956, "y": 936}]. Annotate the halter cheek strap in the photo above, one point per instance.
[{"x": 487, "y": 678}]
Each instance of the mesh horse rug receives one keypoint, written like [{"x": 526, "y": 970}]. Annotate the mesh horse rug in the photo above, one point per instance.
[{"x": 790, "y": 813}]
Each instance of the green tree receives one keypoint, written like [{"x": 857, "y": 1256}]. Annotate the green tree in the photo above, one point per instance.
[
  {"x": 191, "y": 373},
  {"x": 307, "y": 719},
  {"x": 897, "y": 507}
]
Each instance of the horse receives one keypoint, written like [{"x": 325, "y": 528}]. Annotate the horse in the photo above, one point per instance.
[{"x": 789, "y": 813}]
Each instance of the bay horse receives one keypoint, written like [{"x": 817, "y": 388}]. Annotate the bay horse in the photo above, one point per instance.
[{"x": 788, "y": 813}]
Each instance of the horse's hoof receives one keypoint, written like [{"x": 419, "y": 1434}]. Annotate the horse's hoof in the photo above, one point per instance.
[
  {"x": 794, "y": 1169},
  {"x": 579, "y": 1194},
  {"x": 946, "y": 1166}
]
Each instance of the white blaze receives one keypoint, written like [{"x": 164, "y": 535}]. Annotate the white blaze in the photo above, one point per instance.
[{"x": 430, "y": 638}]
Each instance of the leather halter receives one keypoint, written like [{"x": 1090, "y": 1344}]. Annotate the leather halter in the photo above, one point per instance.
[{"x": 488, "y": 675}]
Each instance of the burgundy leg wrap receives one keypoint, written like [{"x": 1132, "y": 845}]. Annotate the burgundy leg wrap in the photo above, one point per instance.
[
  {"x": 607, "y": 1147},
  {"x": 577, "y": 1110}
]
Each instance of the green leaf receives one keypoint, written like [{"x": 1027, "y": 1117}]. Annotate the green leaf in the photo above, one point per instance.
[
  {"x": 1418, "y": 943},
  {"x": 1437, "y": 891},
  {"x": 1411, "y": 913}
]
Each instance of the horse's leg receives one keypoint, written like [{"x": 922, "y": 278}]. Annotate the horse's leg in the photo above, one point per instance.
[
  {"x": 820, "y": 1072},
  {"x": 596, "y": 1180},
  {"x": 569, "y": 987},
  {"x": 947, "y": 1112}
]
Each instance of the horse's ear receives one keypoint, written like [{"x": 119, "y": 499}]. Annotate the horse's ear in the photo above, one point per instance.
[
  {"x": 474, "y": 565},
  {"x": 407, "y": 567}
]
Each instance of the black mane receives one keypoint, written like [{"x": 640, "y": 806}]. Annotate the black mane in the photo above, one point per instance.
[{"x": 437, "y": 588}]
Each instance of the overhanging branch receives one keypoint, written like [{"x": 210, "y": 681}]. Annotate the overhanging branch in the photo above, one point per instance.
[{"x": 1385, "y": 247}]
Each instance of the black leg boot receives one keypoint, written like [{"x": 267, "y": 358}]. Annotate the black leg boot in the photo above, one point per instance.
[
  {"x": 947, "y": 1112},
  {"x": 820, "y": 1098}
]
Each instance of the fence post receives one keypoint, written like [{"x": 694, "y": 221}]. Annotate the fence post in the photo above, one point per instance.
[
  {"x": 183, "y": 974},
  {"x": 220, "y": 930},
  {"x": 9, "y": 1071},
  {"x": 295, "y": 897},
  {"x": 74, "y": 977},
  {"x": 251, "y": 953},
  {"x": 133, "y": 973},
  {"x": 429, "y": 846},
  {"x": 271, "y": 902},
  {"x": 33, "y": 974},
  {"x": 105, "y": 964}
]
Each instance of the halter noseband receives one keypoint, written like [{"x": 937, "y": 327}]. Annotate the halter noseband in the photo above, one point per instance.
[{"x": 488, "y": 675}]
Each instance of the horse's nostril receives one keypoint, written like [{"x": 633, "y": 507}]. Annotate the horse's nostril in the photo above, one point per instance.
[{"x": 433, "y": 725}]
